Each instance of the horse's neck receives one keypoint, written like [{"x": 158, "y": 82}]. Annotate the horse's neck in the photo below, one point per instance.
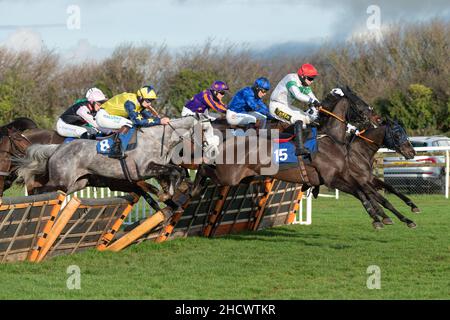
[
  {"x": 183, "y": 123},
  {"x": 334, "y": 127},
  {"x": 368, "y": 149},
  {"x": 43, "y": 136}
]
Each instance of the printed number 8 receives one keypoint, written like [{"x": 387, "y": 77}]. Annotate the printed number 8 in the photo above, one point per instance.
[{"x": 104, "y": 145}]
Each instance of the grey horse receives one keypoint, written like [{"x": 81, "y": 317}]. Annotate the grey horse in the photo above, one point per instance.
[{"x": 68, "y": 167}]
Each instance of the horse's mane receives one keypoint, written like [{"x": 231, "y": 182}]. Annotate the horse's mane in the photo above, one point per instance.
[{"x": 18, "y": 124}]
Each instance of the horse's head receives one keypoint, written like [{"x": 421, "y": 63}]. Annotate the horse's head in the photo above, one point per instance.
[
  {"x": 211, "y": 142},
  {"x": 199, "y": 131},
  {"x": 396, "y": 138},
  {"x": 352, "y": 108},
  {"x": 352, "y": 112}
]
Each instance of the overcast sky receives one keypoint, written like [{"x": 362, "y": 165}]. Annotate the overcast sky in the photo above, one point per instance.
[{"x": 177, "y": 23}]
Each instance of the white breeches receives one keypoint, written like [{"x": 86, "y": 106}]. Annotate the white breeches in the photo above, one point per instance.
[
  {"x": 240, "y": 119},
  {"x": 188, "y": 112},
  {"x": 69, "y": 130},
  {"x": 287, "y": 114},
  {"x": 107, "y": 121}
]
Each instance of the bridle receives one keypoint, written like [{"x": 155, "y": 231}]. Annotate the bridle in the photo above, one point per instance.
[
  {"x": 347, "y": 123},
  {"x": 392, "y": 130}
]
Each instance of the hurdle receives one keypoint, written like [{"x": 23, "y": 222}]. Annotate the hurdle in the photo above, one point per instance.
[
  {"x": 255, "y": 205},
  {"x": 84, "y": 224},
  {"x": 242, "y": 207},
  {"x": 282, "y": 206},
  {"x": 25, "y": 223}
]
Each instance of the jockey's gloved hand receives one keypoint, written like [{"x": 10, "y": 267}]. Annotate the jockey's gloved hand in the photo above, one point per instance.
[
  {"x": 92, "y": 131},
  {"x": 316, "y": 104},
  {"x": 337, "y": 92},
  {"x": 313, "y": 113}
]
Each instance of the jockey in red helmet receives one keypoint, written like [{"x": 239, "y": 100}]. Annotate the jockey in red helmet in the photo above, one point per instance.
[{"x": 296, "y": 87}]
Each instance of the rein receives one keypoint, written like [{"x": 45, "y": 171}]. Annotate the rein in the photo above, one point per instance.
[
  {"x": 181, "y": 137},
  {"x": 156, "y": 114},
  {"x": 357, "y": 133}
]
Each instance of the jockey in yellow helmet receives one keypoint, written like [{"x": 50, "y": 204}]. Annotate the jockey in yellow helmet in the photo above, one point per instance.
[{"x": 125, "y": 110}]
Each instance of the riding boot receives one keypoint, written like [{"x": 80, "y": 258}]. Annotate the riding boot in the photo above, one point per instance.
[
  {"x": 116, "y": 149},
  {"x": 300, "y": 149}
]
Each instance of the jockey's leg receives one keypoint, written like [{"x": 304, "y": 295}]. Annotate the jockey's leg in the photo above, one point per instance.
[
  {"x": 245, "y": 120},
  {"x": 260, "y": 118},
  {"x": 68, "y": 130},
  {"x": 300, "y": 149},
  {"x": 117, "y": 151},
  {"x": 187, "y": 112},
  {"x": 107, "y": 121},
  {"x": 296, "y": 117}
]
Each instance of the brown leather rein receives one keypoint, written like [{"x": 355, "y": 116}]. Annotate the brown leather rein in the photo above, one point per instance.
[{"x": 358, "y": 134}]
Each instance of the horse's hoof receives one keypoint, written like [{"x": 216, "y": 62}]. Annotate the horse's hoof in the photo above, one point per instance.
[
  {"x": 411, "y": 225},
  {"x": 377, "y": 225},
  {"x": 415, "y": 210},
  {"x": 387, "y": 221}
]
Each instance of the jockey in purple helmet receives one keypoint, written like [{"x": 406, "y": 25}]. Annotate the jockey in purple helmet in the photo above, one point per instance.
[{"x": 209, "y": 99}]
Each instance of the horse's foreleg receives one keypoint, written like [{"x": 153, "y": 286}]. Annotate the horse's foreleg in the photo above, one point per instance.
[
  {"x": 377, "y": 224},
  {"x": 199, "y": 182},
  {"x": 385, "y": 203},
  {"x": 385, "y": 219},
  {"x": 383, "y": 185}
]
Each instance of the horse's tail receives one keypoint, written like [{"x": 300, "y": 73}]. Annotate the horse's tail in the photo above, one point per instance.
[{"x": 34, "y": 163}]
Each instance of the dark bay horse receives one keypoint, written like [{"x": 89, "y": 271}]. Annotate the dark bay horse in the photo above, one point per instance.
[
  {"x": 15, "y": 138},
  {"x": 331, "y": 165}
]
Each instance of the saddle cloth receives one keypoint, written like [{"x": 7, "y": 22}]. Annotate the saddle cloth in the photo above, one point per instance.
[
  {"x": 128, "y": 141},
  {"x": 284, "y": 148}
]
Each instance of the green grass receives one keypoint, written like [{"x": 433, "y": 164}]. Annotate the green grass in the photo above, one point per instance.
[{"x": 327, "y": 260}]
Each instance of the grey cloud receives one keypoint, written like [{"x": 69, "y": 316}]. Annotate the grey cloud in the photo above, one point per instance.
[{"x": 351, "y": 15}]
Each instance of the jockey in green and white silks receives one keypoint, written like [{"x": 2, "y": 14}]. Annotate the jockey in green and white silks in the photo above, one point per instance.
[
  {"x": 296, "y": 86},
  {"x": 78, "y": 120}
]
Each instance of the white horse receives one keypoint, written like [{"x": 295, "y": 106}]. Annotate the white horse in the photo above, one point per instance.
[{"x": 70, "y": 166}]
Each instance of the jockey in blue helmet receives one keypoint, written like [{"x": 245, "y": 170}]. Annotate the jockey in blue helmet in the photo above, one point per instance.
[{"x": 247, "y": 106}]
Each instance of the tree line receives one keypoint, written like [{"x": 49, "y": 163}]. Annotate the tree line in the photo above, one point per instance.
[{"x": 405, "y": 75}]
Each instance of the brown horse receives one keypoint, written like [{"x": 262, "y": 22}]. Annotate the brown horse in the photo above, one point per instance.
[
  {"x": 331, "y": 165},
  {"x": 15, "y": 139}
]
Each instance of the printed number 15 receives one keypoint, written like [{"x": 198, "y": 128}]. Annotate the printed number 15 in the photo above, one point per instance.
[{"x": 281, "y": 155}]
